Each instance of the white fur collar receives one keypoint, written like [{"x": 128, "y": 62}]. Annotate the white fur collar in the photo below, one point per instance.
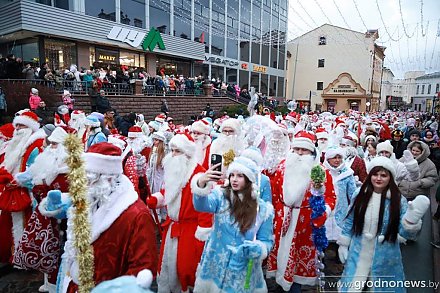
[
  {"x": 36, "y": 135},
  {"x": 206, "y": 142}
]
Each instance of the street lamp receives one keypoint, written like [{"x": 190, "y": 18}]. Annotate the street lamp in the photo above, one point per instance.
[{"x": 368, "y": 106}]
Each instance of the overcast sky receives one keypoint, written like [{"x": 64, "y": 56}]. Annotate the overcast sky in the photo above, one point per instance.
[{"x": 416, "y": 49}]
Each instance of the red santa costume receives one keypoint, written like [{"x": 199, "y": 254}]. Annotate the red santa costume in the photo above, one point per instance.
[
  {"x": 138, "y": 159},
  {"x": 16, "y": 201},
  {"x": 200, "y": 130},
  {"x": 6, "y": 133},
  {"x": 40, "y": 245},
  {"x": 123, "y": 236},
  {"x": 296, "y": 254},
  {"x": 322, "y": 137},
  {"x": 185, "y": 229},
  {"x": 78, "y": 122}
]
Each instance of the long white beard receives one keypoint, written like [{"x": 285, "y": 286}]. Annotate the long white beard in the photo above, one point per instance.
[
  {"x": 297, "y": 178},
  {"x": 15, "y": 150},
  {"x": 76, "y": 123},
  {"x": 224, "y": 143},
  {"x": 137, "y": 145},
  {"x": 178, "y": 170},
  {"x": 200, "y": 151},
  {"x": 276, "y": 151},
  {"x": 100, "y": 189},
  {"x": 322, "y": 146},
  {"x": 48, "y": 165}
]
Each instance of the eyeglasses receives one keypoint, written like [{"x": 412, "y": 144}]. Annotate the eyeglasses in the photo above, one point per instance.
[{"x": 228, "y": 131}]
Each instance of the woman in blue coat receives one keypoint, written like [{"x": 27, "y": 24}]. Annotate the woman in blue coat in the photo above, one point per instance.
[
  {"x": 369, "y": 244},
  {"x": 242, "y": 234}
]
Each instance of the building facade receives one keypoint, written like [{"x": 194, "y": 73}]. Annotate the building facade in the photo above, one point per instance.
[
  {"x": 335, "y": 69},
  {"x": 239, "y": 41},
  {"x": 427, "y": 93}
]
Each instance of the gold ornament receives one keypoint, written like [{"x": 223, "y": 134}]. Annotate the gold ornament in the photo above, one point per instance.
[
  {"x": 228, "y": 157},
  {"x": 81, "y": 224}
]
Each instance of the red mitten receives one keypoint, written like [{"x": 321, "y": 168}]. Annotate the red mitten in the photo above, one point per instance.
[
  {"x": 5, "y": 176},
  {"x": 319, "y": 221},
  {"x": 152, "y": 202}
]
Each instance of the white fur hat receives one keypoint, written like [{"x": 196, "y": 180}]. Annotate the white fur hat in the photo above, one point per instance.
[
  {"x": 103, "y": 158},
  {"x": 27, "y": 118},
  {"x": 370, "y": 137},
  {"x": 254, "y": 154},
  {"x": 58, "y": 135},
  {"x": 305, "y": 140},
  {"x": 333, "y": 151},
  {"x": 158, "y": 135},
  {"x": 245, "y": 166},
  {"x": 201, "y": 126},
  {"x": 232, "y": 123},
  {"x": 384, "y": 146},
  {"x": 185, "y": 143},
  {"x": 34, "y": 91},
  {"x": 384, "y": 162}
]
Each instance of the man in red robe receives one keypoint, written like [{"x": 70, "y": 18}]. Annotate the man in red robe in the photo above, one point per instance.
[
  {"x": 185, "y": 229},
  {"x": 123, "y": 235},
  {"x": 15, "y": 200},
  {"x": 297, "y": 254}
]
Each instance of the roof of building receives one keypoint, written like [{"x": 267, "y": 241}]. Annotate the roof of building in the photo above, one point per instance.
[{"x": 429, "y": 75}]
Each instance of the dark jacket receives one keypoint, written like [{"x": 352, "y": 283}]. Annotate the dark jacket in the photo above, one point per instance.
[
  {"x": 398, "y": 147},
  {"x": 102, "y": 104},
  {"x": 124, "y": 125},
  {"x": 45, "y": 115}
]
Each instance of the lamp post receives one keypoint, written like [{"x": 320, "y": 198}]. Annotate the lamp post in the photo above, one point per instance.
[{"x": 368, "y": 106}]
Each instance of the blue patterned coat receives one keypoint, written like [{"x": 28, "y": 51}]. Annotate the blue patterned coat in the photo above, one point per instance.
[
  {"x": 215, "y": 274},
  {"x": 265, "y": 189},
  {"x": 369, "y": 255}
]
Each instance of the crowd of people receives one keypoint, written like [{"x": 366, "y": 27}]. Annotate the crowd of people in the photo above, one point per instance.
[{"x": 235, "y": 201}]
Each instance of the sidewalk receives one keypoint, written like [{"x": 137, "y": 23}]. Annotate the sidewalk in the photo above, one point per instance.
[{"x": 435, "y": 238}]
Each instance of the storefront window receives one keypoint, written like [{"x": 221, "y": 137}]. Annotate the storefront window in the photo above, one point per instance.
[
  {"x": 60, "y": 54},
  {"x": 231, "y": 75},
  {"x": 160, "y": 15},
  {"x": 201, "y": 22},
  {"x": 182, "y": 19},
  {"x": 133, "y": 13},
  {"x": 101, "y": 8},
  {"x": 129, "y": 59},
  {"x": 106, "y": 58},
  {"x": 173, "y": 67},
  {"x": 272, "y": 86},
  {"x": 264, "y": 84},
  {"x": 64, "y": 4},
  {"x": 217, "y": 72},
  {"x": 28, "y": 51},
  {"x": 201, "y": 69},
  {"x": 280, "y": 86},
  {"x": 255, "y": 81},
  {"x": 244, "y": 79}
]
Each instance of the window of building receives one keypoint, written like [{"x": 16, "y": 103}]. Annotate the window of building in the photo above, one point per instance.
[
  {"x": 437, "y": 88},
  {"x": 133, "y": 13},
  {"x": 429, "y": 89},
  {"x": 160, "y": 15},
  {"x": 280, "y": 86},
  {"x": 319, "y": 85},
  {"x": 321, "y": 62},
  {"x": 423, "y": 89},
  {"x": 182, "y": 19},
  {"x": 60, "y": 54},
  {"x": 418, "y": 88},
  {"x": 322, "y": 40},
  {"x": 244, "y": 79},
  {"x": 105, "y": 9}
]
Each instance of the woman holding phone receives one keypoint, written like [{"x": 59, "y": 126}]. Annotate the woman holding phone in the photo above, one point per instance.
[{"x": 242, "y": 234}]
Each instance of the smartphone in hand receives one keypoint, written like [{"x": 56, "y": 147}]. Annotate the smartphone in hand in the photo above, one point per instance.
[{"x": 216, "y": 159}]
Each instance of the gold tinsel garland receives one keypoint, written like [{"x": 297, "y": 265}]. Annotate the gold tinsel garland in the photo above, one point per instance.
[
  {"x": 82, "y": 229},
  {"x": 228, "y": 157}
]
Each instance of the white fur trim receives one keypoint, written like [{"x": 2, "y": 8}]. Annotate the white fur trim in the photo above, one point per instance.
[
  {"x": 103, "y": 164},
  {"x": 144, "y": 278},
  {"x": 264, "y": 249},
  {"x": 167, "y": 279},
  {"x": 135, "y": 134},
  {"x": 241, "y": 168},
  {"x": 344, "y": 240},
  {"x": 160, "y": 199},
  {"x": 382, "y": 162},
  {"x": 201, "y": 127},
  {"x": 232, "y": 123},
  {"x": 411, "y": 227},
  {"x": 305, "y": 143},
  {"x": 42, "y": 207},
  {"x": 58, "y": 135},
  {"x": 333, "y": 152},
  {"x": 203, "y": 233},
  {"x": 17, "y": 227},
  {"x": 254, "y": 155},
  {"x": 384, "y": 146},
  {"x": 200, "y": 191},
  {"x": 328, "y": 210},
  {"x": 25, "y": 120}
]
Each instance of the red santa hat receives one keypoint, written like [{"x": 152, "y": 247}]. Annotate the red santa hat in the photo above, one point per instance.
[
  {"x": 339, "y": 122},
  {"x": 348, "y": 140},
  {"x": 232, "y": 123},
  {"x": 185, "y": 143},
  {"x": 201, "y": 126},
  {"x": 103, "y": 158},
  {"x": 160, "y": 118},
  {"x": 77, "y": 114},
  {"x": 118, "y": 140},
  {"x": 321, "y": 133},
  {"x": 7, "y": 131},
  {"x": 305, "y": 140},
  {"x": 135, "y": 131},
  {"x": 29, "y": 119}
]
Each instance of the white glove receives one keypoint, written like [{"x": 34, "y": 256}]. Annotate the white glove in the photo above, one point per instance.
[
  {"x": 343, "y": 253},
  {"x": 407, "y": 156},
  {"x": 416, "y": 209}
]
